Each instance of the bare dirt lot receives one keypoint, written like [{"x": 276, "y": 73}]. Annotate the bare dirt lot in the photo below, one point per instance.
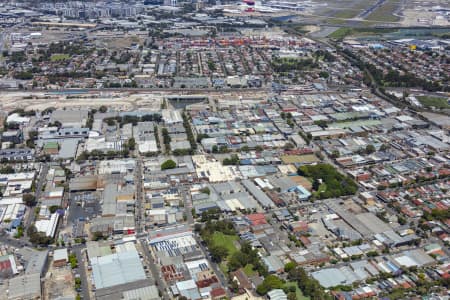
[
  {"x": 120, "y": 101},
  {"x": 60, "y": 283}
]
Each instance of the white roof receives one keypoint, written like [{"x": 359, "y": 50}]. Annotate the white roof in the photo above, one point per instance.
[
  {"x": 16, "y": 118},
  {"x": 60, "y": 254},
  {"x": 118, "y": 268},
  {"x": 11, "y": 200},
  {"x": 154, "y": 212},
  {"x": 186, "y": 285},
  {"x": 277, "y": 294},
  {"x": 18, "y": 176},
  {"x": 406, "y": 261},
  {"x": 48, "y": 226},
  {"x": 147, "y": 146},
  {"x": 56, "y": 193},
  {"x": 404, "y": 118},
  {"x": 196, "y": 263}
]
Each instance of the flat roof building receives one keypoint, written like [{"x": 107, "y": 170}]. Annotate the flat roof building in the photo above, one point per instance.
[
  {"x": 117, "y": 268},
  {"x": 27, "y": 286},
  {"x": 60, "y": 257}
]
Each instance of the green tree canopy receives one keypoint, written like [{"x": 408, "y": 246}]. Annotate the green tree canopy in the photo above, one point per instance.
[{"x": 168, "y": 164}]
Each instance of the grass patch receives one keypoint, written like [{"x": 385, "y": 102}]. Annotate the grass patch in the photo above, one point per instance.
[
  {"x": 431, "y": 101},
  {"x": 301, "y": 29},
  {"x": 346, "y": 14},
  {"x": 384, "y": 13},
  {"x": 59, "y": 57},
  {"x": 322, "y": 189},
  {"x": 343, "y": 32},
  {"x": 223, "y": 267},
  {"x": 292, "y": 159},
  {"x": 248, "y": 270},
  {"x": 336, "y": 21},
  {"x": 327, "y": 181},
  {"x": 298, "y": 293},
  {"x": 226, "y": 241}
]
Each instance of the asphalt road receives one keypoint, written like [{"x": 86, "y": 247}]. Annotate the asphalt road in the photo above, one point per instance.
[
  {"x": 16, "y": 243},
  {"x": 371, "y": 9},
  {"x": 41, "y": 181},
  {"x": 82, "y": 271},
  {"x": 140, "y": 211},
  {"x": 190, "y": 219},
  {"x": 161, "y": 284},
  {"x": 215, "y": 267},
  {"x": 187, "y": 204}
]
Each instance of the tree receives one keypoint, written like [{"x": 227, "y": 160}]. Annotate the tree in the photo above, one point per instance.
[
  {"x": 197, "y": 227},
  {"x": 38, "y": 238},
  {"x": 289, "y": 266},
  {"x": 218, "y": 252},
  {"x": 7, "y": 170},
  {"x": 166, "y": 138},
  {"x": 29, "y": 200},
  {"x": 19, "y": 232},
  {"x": 324, "y": 74},
  {"x": 168, "y": 164},
  {"x": 401, "y": 220},
  {"x": 73, "y": 260},
  {"x": 292, "y": 296},
  {"x": 370, "y": 149},
  {"x": 308, "y": 285},
  {"x": 321, "y": 123},
  {"x": 98, "y": 235},
  {"x": 336, "y": 183},
  {"x": 103, "y": 109},
  {"x": 54, "y": 208},
  {"x": 110, "y": 122},
  {"x": 316, "y": 184},
  {"x": 25, "y": 75},
  {"x": 270, "y": 282},
  {"x": 131, "y": 144},
  {"x": 205, "y": 190},
  {"x": 223, "y": 149},
  {"x": 233, "y": 160},
  {"x": 335, "y": 154}
]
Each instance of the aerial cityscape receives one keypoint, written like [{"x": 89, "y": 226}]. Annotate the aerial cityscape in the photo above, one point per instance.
[{"x": 224, "y": 149}]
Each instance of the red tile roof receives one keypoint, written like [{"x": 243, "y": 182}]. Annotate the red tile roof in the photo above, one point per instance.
[
  {"x": 218, "y": 292},
  {"x": 257, "y": 219}
]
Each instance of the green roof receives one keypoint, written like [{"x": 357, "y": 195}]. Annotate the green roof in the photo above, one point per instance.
[{"x": 51, "y": 145}]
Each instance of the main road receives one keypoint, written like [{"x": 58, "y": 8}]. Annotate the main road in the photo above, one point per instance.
[
  {"x": 42, "y": 178},
  {"x": 162, "y": 286},
  {"x": 140, "y": 230},
  {"x": 140, "y": 196},
  {"x": 78, "y": 250}
]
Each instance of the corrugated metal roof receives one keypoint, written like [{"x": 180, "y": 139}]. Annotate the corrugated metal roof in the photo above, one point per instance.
[
  {"x": 25, "y": 287},
  {"x": 259, "y": 195},
  {"x": 117, "y": 268},
  {"x": 147, "y": 293}
]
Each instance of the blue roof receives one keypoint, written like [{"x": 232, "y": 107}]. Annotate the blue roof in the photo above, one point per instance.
[
  {"x": 15, "y": 223},
  {"x": 245, "y": 162},
  {"x": 301, "y": 191}
]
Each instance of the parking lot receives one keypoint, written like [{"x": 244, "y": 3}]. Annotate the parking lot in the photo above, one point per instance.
[{"x": 82, "y": 208}]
